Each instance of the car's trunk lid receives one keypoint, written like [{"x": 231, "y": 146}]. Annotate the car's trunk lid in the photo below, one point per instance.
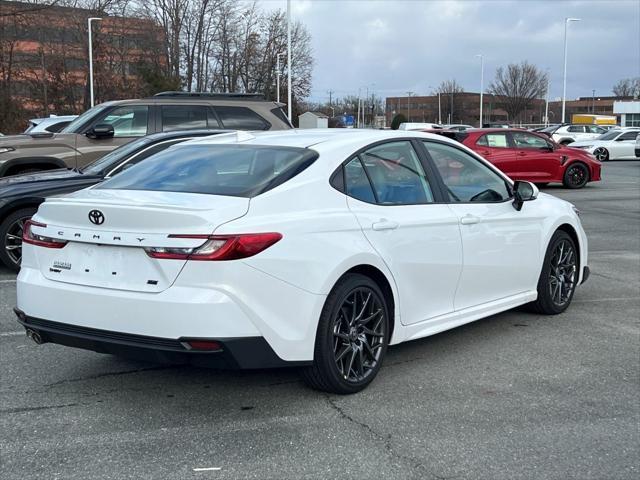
[{"x": 107, "y": 231}]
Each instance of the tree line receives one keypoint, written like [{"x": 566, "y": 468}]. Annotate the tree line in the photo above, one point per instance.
[{"x": 198, "y": 45}]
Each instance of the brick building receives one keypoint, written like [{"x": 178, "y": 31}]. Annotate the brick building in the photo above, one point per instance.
[{"x": 44, "y": 58}]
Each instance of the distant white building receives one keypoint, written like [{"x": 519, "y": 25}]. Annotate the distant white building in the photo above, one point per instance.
[
  {"x": 629, "y": 112},
  {"x": 313, "y": 120}
]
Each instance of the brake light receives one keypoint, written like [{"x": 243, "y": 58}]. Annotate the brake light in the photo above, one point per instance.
[
  {"x": 218, "y": 247},
  {"x": 39, "y": 240}
]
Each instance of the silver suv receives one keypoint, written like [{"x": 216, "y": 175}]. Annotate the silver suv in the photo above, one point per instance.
[
  {"x": 566, "y": 134},
  {"x": 111, "y": 124}
]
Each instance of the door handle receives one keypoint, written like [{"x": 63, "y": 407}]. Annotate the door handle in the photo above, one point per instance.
[
  {"x": 469, "y": 219},
  {"x": 522, "y": 154},
  {"x": 384, "y": 224},
  {"x": 485, "y": 153}
]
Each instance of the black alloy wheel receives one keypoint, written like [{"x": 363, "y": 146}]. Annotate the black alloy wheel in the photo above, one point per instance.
[
  {"x": 601, "y": 153},
  {"x": 559, "y": 276},
  {"x": 11, "y": 237},
  {"x": 576, "y": 175},
  {"x": 352, "y": 337}
]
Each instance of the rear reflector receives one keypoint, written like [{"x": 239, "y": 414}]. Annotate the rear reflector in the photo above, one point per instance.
[
  {"x": 39, "y": 240},
  {"x": 218, "y": 247},
  {"x": 205, "y": 345}
]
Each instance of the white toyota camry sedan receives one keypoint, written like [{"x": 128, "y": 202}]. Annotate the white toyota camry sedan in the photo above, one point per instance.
[{"x": 316, "y": 249}]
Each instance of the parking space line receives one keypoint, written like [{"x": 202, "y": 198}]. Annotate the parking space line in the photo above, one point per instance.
[
  {"x": 609, "y": 299},
  {"x": 207, "y": 469},
  {"x": 8, "y": 281}
]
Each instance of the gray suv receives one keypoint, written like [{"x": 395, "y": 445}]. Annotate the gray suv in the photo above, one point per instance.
[{"x": 111, "y": 124}]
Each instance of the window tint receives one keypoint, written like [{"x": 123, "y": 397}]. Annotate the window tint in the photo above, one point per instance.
[
  {"x": 278, "y": 112},
  {"x": 594, "y": 129},
  {"x": 241, "y": 118},
  {"x": 396, "y": 174},
  {"x": 56, "y": 127},
  {"x": 145, "y": 153},
  {"x": 129, "y": 121},
  {"x": 183, "y": 117},
  {"x": 232, "y": 170},
  {"x": 526, "y": 140},
  {"x": 628, "y": 136},
  {"x": 576, "y": 129},
  {"x": 356, "y": 182},
  {"x": 495, "y": 140},
  {"x": 465, "y": 177}
]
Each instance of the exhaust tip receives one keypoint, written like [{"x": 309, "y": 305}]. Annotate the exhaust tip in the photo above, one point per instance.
[{"x": 35, "y": 336}]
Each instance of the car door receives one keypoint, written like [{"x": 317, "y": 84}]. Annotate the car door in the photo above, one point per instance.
[
  {"x": 623, "y": 147},
  {"x": 417, "y": 238},
  {"x": 536, "y": 159},
  {"x": 501, "y": 245},
  {"x": 496, "y": 147},
  {"x": 129, "y": 122}
]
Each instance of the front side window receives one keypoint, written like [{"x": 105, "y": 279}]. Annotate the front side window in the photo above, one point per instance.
[
  {"x": 241, "y": 118},
  {"x": 465, "y": 177},
  {"x": 628, "y": 136},
  {"x": 129, "y": 121},
  {"x": 526, "y": 140},
  {"x": 231, "y": 170},
  {"x": 396, "y": 174},
  {"x": 494, "y": 140},
  {"x": 595, "y": 129},
  {"x": 183, "y": 117}
]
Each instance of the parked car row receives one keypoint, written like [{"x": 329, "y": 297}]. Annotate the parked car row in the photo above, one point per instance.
[
  {"x": 111, "y": 124},
  {"x": 314, "y": 249}
]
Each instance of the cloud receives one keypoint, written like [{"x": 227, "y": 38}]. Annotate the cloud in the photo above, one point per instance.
[{"x": 410, "y": 45}]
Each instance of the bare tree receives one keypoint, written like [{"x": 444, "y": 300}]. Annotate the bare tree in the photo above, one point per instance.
[
  {"x": 450, "y": 91},
  {"x": 627, "y": 87},
  {"x": 518, "y": 86}
]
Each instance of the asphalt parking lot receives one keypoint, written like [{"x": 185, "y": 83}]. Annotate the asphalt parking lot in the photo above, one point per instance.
[{"x": 514, "y": 396}]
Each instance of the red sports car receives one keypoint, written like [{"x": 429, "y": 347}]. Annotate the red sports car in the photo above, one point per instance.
[{"x": 533, "y": 157}]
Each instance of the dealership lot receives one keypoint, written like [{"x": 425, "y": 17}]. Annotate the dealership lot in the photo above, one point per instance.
[{"x": 513, "y": 396}]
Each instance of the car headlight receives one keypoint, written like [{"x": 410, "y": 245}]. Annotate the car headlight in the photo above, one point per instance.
[{"x": 6, "y": 149}]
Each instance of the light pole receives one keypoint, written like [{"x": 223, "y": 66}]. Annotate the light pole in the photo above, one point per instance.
[
  {"x": 409, "y": 106},
  {"x": 439, "y": 106},
  {"x": 564, "y": 81},
  {"x": 278, "y": 76},
  {"x": 289, "y": 59},
  {"x": 546, "y": 106},
  {"x": 481, "y": 83},
  {"x": 91, "y": 19},
  {"x": 593, "y": 101}
]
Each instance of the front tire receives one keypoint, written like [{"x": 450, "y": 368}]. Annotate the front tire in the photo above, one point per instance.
[
  {"x": 601, "y": 153},
  {"x": 352, "y": 337},
  {"x": 557, "y": 282},
  {"x": 11, "y": 237},
  {"x": 576, "y": 175}
]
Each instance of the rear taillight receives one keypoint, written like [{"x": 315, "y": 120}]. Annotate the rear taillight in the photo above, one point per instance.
[
  {"x": 40, "y": 240},
  {"x": 218, "y": 247}
]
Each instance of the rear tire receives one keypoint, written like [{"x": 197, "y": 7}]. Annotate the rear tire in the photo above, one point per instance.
[
  {"x": 11, "y": 237},
  {"x": 576, "y": 175},
  {"x": 557, "y": 282},
  {"x": 352, "y": 337}
]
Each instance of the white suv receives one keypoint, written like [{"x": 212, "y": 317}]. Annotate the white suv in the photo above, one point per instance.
[{"x": 566, "y": 134}]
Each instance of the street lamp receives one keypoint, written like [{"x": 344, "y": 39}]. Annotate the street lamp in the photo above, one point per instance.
[
  {"x": 91, "y": 19},
  {"x": 409, "y": 106},
  {"x": 278, "y": 76},
  {"x": 289, "y": 59},
  {"x": 546, "y": 106},
  {"x": 564, "y": 82},
  {"x": 481, "y": 83},
  {"x": 439, "y": 106}
]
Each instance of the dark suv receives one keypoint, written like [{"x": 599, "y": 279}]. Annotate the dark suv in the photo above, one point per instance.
[{"x": 111, "y": 124}]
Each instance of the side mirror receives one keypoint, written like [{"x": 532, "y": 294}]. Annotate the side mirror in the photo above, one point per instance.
[
  {"x": 102, "y": 130},
  {"x": 523, "y": 192}
]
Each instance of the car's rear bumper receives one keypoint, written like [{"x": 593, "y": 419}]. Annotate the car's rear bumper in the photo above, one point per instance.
[{"x": 234, "y": 353}]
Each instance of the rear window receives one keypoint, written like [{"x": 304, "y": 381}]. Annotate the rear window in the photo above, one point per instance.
[{"x": 232, "y": 170}]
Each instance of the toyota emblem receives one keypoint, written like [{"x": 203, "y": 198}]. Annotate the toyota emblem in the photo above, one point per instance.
[{"x": 96, "y": 217}]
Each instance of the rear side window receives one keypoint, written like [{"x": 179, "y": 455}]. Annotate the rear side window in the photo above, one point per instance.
[
  {"x": 183, "y": 117},
  {"x": 241, "y": 118},
  {"x": 278, "y": 112},
  {"x": 356, "y": 182},
  {"x": 575, "y": 129},
  {"x": 232, "y": 170},
  {"x": 494, "y": 140}
]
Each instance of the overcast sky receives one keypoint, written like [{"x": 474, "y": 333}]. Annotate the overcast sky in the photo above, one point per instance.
[{"x": 409, "y": 45}]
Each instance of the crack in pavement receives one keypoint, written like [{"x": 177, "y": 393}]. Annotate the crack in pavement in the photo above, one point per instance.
[
  {"x": 414, "y": 464},
  {"x": 32, "y": 409},
  {"x": 109, "y": 374}
]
